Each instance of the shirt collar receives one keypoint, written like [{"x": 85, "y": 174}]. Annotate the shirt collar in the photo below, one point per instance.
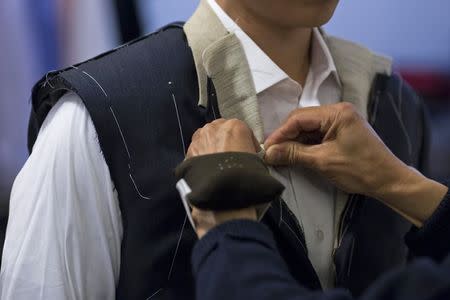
[{"x": 264, "y": 71}]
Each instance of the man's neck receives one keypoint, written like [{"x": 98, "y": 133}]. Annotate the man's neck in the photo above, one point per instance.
[{"x": 289, "y": 48}]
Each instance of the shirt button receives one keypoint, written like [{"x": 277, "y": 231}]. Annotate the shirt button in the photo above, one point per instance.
[{"x": 320, "y": 235}]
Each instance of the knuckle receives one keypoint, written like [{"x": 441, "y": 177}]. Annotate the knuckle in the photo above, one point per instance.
[
  {"x": 348, "y": 110},
  {"x": 292, "y": 154},
  {"x": 208, "y": 127},
  {"x": 218, "y": 121},
  {"x": 238, "y": 126},
  {"x": 234, "y": 122},
  {"x": 196, "y": 134}
]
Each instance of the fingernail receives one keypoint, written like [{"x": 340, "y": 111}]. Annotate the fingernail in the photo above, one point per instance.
[{"x": 273, "y": 154}]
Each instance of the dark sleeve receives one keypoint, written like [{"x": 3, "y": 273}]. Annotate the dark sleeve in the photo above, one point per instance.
[
  {"x": 239, "y": 260},
  {"x": 433, "y": 239}
]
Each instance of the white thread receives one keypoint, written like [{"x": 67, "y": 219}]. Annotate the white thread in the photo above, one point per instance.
[
  {"x": 90, "y": 76},
  {"x": 351, "y": 257},
  {"x": 154, "y": 294},
  {"x": 213, "y": 110},
  {"x": 48, "y": 81},
  {"x": 176, "y": 249},
  {"x": 375, "y": 109},
  {"x": 179, "y": 123},
  {"x": 121, "y": 133},
  {"x": 293, "y": 232},
  {"x": 137, "y": 189},
  {"x": 104, "y": 92},
  {"x": 281, "y": 213}
]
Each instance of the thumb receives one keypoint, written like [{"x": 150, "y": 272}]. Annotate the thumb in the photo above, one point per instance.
[{"x": 291, "y": 153}]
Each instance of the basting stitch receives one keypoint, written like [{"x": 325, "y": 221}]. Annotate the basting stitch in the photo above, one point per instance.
[
  {"x": 176, "y": 249},
  {"x": 137, "y": 189},
  {"x": 179, "y": 120},
  {"x": 375, "y": 108},
  {"x": 402, "y": 125},
  {"x": 154, "y": 294},
  {"x": 281, "y": 213},
  {"x": 293, "y": 232},
  {"x": 90, "y": 76},
  {"x": 121, "y": 134}
]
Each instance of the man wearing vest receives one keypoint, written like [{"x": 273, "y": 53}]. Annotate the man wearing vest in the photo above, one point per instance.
[{"x": 95, "y": 214}]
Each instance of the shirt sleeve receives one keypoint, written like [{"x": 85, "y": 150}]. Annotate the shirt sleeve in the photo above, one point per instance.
[{"x": 64, "y": 230}]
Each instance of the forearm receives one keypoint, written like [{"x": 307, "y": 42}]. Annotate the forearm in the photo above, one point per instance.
[{"x": 408, "y": 192}]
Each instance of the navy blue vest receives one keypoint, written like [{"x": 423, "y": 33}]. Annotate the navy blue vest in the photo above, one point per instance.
[{"x": 142, "y": 98}]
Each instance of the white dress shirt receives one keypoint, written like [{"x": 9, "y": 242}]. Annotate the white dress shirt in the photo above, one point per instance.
[
  {"x": 309, "y": 197},
  {"x": 65, "y": 229}
]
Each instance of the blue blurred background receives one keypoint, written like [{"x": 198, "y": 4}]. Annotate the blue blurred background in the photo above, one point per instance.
[{"x": 38, "y": 36}]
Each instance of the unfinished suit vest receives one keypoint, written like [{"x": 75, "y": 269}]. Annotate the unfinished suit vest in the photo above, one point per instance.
[{"x": 142, "y": 98}]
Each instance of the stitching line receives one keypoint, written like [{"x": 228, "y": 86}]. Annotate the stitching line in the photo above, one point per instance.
[
  {"x": 402, "y": 125},
  {"x": 136, "y": 187},
  {"x": 351, "y": 258},
  {"x": 154, "y": 294},
  {"x": 289, "y": 227},
  {"x": 121, "y": 134},
  {"x": 178, "y": 245},
  {"x": 281, "y": 213},
  {"x": 375, "y": 109},
  {"x": 293, "y": 232},
  {"x": 179, "y": 120}
]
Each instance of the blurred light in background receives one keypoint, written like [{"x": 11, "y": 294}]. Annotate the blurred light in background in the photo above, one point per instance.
[
  {"x": 35, "y": 37},
  {"x": 416, "y": 33}
]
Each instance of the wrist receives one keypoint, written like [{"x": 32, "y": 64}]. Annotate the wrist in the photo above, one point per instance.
[
  {"x": 410, "y": 193},
  {"x": 208, "y": 220},
  {"x": 392, "y": 178}
]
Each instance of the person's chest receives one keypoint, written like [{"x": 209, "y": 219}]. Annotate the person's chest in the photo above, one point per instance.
[{"x": 308, "y": 196}]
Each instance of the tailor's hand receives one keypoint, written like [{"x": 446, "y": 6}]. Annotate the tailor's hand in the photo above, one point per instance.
[
  {"x": 346, "y": 149},
  {"x": 207, "y": 220},
  {"x": 221, "y": 136},
  {"x": 348, "y": 152}
]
